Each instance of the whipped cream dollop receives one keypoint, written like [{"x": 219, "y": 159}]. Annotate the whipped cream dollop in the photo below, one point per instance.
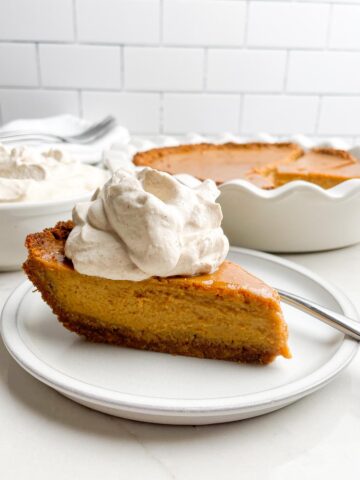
[
  {"x": 28, "y": 175},
  {"x": 146, "y": 223}
]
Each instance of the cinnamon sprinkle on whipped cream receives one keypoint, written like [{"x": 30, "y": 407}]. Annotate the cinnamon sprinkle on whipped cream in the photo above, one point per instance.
[{"x": 147, "y": 223}]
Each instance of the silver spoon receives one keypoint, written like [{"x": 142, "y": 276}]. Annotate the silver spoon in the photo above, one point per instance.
[{"x": 340, "y": 322}]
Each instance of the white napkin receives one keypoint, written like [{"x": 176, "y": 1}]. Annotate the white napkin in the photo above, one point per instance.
[{"x": 69, "y": 125}]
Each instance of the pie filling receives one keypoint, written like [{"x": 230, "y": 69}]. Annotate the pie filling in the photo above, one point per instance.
[{"x": 265, "y": 165}]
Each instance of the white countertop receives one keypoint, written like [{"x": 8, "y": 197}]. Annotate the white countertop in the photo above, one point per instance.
[{"x": 43, "y": 435}]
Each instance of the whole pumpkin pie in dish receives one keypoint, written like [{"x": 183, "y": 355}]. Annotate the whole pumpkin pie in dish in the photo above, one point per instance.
[
  {"x": 266, "y": 165},
  {"x": 103, "y": 284},
  {"x": 222, "y": 162}
]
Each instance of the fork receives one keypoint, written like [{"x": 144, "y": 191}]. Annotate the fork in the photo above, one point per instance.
[
  {"x": 337, "y": 320},
  {"x": 93, "y": 132}
]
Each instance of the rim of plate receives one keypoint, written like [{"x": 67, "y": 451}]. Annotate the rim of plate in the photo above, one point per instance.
[{"x": 269, "y": 398}]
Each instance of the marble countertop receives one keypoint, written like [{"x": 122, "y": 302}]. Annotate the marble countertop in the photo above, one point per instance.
[{"x": 43, "y": 435}]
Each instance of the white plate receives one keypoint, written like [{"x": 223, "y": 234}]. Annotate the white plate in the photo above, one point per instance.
[{"x": 162, "y": 388}]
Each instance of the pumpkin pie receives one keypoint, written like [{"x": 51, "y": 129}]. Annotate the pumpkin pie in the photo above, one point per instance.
[
  {"x": 228, "y": 315},
  {"x": 266, "y": 165},
  {"x": 222, "y": 162},
  {"x": 326, "y": 167}
]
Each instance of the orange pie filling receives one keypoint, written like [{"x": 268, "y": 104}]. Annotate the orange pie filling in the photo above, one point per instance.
[{"x": 265, "y": 165}]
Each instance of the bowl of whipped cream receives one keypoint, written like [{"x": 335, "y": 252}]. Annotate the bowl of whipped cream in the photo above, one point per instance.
[{"x": 38, "y": 188}]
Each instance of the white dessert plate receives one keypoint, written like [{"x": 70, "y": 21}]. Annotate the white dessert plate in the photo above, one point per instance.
[{"x": 161, "y": 388}]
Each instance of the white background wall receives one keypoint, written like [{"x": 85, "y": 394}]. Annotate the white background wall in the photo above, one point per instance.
[{"x": 185, "y": 65}]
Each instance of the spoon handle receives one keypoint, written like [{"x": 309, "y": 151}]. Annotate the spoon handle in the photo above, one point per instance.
[{"x": 340, "y": 322}]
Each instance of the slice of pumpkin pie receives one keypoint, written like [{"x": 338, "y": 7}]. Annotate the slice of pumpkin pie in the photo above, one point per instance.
[{"x": 143, "y": 266}]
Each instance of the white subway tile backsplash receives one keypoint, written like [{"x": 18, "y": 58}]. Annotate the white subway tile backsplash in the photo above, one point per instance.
[
  {"x": 18, "y": 65},
  {"x": 139, "y": 112},
  {"x": 180, "y": 65},
  {"x": 36, "y": 103},
  {"x": 204, "y": 22},
  {"x": 43, "y": 20},
  {"x": 77, "y": 66},
  {"x": 201, "y": 113},
  {"x": 287, "y": 24},
  {"x": 279, "y": 114},
  {"x": 118, "y": 21},
  {"x": 324, "y": 72},
  {"x": 246, "y": 70},
  {"x": 339, "y": 116},
  {"x": 163, "y": 69},
  {"x": 344, "y": 27}
]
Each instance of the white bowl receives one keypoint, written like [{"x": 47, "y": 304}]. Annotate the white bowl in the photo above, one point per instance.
[
  {"x": 297, "y": 217},
  {"x": 17, "y": 220}
]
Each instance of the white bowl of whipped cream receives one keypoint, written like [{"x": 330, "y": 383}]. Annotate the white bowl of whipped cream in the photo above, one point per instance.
[{"x": 37, "y": 189}]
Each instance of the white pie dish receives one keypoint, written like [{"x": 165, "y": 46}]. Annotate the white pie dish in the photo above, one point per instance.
[
  {"x": 19, "y": 219},
  {"x": 297, "y": 217}
]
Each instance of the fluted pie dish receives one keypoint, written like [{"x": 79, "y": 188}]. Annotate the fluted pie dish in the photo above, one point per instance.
[{"x": 278, "y": 205}]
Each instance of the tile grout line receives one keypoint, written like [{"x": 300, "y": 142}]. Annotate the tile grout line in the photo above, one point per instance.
[
  {"x": 286, "y": 72},
  {"x": 38, "y": 67},
  {"x": 134, "y": 91},
  {"x": 75, "y": 32},
  {"x": 161, "y": 112},
  {"x": 260, "y": 47},
  {"x": 241, "y": 113},
  {"x": 161, "y": 22},
  {"x": 205, "y": 70},
  {"x": 318, "y": 114},
  {"x": 74, "y": 21},
  {"x": 161, "y": 124},
  {"x": 329, "y": 27},
  {"x": 246, "y": 27},
  {"x": 122, "y": 67}
]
